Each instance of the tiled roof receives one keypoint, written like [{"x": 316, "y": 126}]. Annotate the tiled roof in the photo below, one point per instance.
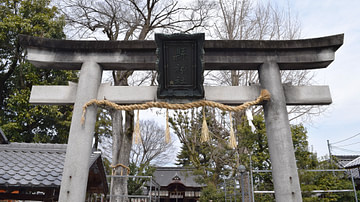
[
  {"x": 354, "y": 163},
  {"x": 32, "y": 164},
  {"x": 164, "y": 176},
  {"x": 349, "y": 162},
  {"x": 342, "y": 160}
]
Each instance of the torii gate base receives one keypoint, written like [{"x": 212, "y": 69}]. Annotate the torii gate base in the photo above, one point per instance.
[{"x": 268, "y": 57}]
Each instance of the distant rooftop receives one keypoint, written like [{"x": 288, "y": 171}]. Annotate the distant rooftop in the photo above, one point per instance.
[
  {"x": 36, "y": 166},
  {"x": 33, "y": 164},
  {"x": 349, "y": 162},
  {"x": 165, "y": 175},
  {"x": 343, "y": 160},
  {"x": 353, "y": 164}
]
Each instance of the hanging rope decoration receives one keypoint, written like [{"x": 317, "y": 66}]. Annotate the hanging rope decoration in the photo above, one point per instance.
[
  {"x": 232, "y": 143},
  {"x": 264, "y": 96},
  {"x": 121, "y": 171},
  {"x": 137, "y": 135},
  {"x": 167, "y": 130},
  {"x": 205, "y": 130}
]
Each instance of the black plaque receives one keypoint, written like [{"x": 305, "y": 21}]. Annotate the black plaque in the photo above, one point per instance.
[{"x": 180, "y": 65}]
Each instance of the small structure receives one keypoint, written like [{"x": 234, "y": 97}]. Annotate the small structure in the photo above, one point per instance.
[
  {"x": 32, "y": 171},
  {"x": 177, "y": 184},
  {"x": 352, "y": 163}
]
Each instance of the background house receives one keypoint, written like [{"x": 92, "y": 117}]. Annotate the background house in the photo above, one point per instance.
[
  {"x": 32, "y": 171},
  {"x": 177, "y": 184},
  {"x": 352, "y": 164}
]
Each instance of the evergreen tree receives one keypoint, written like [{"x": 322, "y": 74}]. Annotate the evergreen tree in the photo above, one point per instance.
[
  {"x": 221, "y": 162},
  {"x": 21, "y": 121}
]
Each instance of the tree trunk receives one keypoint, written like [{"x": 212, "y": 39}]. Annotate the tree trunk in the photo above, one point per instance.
[{"x": 122, "y": 141}]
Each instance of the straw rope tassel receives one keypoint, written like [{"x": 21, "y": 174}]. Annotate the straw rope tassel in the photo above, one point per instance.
[
  {"x": 232, "y": 143},
  {"x": 205, "y": 130},
  {"x": 264, "y": 95},
  {"x": 137, "y": 129},
  {"x": 167, "y": 130},
  {"x": 82, "y": 121}
]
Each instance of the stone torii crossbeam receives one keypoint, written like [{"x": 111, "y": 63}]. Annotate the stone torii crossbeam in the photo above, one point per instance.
[{"x": 268, "y": 57}]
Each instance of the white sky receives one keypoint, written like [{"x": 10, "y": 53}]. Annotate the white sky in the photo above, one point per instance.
[
  {"x": 323, "y": 18},
  {"x": 342, "y": 120}
]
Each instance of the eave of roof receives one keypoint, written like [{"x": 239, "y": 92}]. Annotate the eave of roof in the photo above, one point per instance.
[
  {"x": 33, "y": 164},
  {"x": 164, "y": 176},
  {"x": 353, "y": 164}
]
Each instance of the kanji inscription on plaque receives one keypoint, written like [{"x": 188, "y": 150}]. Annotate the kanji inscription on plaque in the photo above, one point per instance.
[{"x": 180, "y": 65}]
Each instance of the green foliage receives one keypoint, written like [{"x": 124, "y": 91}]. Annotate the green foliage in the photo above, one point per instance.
[
  {"x": 103, "y": 126},
  {"x": 325, "y": 181},
  {"x": 306, "y": 160},
  {"x": 135, "y": 185},
  {"x": 107, "y": 166},
  {"x": 209, "y": 158},
  {"x": 21, "y": 121},
  {"x": 214, "y": 168},
  {"x": 210, "y": 192}
]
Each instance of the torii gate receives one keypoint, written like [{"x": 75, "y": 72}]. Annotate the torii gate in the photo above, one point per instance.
[{"x": 268, "y": 57}]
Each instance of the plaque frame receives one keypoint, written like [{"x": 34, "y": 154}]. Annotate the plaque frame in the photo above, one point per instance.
[{"x": 184, "y": 79}]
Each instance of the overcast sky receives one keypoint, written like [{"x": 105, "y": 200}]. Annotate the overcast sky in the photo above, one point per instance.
[{"x": 342, "y": 119}]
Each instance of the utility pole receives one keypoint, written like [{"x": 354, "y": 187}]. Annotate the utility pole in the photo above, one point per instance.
[{"x": 330, "y": 158}]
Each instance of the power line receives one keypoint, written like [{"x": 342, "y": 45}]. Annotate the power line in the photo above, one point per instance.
[
  {"x": 346, "y": 150},
  {"x": 348, "y": 144},
  {"x": 346, "y": 139}
]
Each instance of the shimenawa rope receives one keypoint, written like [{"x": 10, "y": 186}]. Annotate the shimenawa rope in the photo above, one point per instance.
[{"x": 264, "y": 96}]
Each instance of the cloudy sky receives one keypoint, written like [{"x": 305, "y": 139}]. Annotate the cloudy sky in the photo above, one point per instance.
[{"x": 342, "y": 119}]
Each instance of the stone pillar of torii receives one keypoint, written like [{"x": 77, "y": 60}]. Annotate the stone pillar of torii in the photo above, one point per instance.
[{"x": 268, "y": 57}]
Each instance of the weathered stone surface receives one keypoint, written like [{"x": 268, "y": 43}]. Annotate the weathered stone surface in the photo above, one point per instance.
[
  {"x": 233, "y": 95},
  {"x": 219, "y": 55},
  {"x": 334, "y": 41},
  {"x": 74, "y": 180},
  {"x": 268, "y": 57},
  {"x": 278, "y": 132}
]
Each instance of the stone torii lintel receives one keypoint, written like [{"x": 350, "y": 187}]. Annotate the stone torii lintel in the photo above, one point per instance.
[
  {"x": 219, "y": 54},
  {"x": 268, "y": 57},
  {"x": 231, "y": 95}
]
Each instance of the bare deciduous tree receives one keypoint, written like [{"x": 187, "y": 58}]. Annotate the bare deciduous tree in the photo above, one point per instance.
[
  {"x": 130, "y": 19},
  {"x": 250, "y": 20},
  {"x": 137, "y": 19},
  {"x": 152, "y": 147}
]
